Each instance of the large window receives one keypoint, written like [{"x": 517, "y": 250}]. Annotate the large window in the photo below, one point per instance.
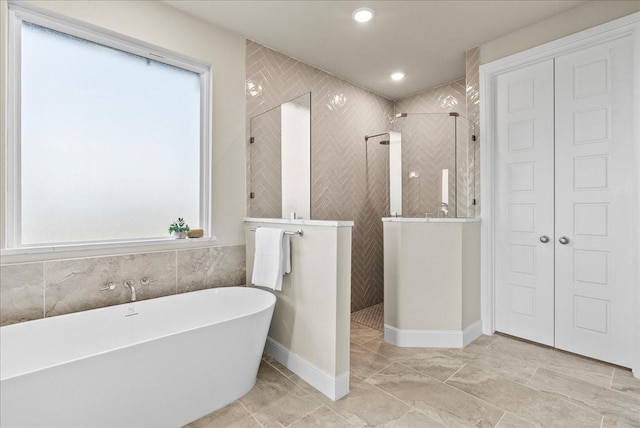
[{"x": 108, "y": 141}]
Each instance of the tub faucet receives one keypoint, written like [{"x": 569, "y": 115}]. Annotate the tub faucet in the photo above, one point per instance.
[
  {"x": 444, "y": 209},
  {"x": 129, "y": 284}
]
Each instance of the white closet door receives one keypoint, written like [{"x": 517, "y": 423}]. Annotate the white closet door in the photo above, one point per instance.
[
  {"x": 524, "y": 303},
  {"x": 594, "y": 164}
]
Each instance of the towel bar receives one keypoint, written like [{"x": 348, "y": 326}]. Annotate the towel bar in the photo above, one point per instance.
[{"x": 286, "y": 232}]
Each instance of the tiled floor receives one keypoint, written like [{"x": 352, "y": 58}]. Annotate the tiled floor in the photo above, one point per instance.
[
  {"x": 373, "y": 316},
  {"x": 496, "y": 381}
]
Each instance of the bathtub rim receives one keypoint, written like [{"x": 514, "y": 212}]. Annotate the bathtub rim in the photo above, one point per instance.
[{"x": 272, "y": 303}]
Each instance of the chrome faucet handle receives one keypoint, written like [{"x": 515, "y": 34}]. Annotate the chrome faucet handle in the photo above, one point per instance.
[
  {"x": 129, "y": 284},
  {"x": 145, "y": 281},
  {"x": 109, "y": 286}
]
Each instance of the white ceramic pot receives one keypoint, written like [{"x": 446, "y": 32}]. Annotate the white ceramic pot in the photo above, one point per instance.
[{"x": 180, "y": 235}]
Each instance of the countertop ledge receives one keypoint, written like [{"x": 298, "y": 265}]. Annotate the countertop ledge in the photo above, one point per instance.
[
  {"x": 300, "y": 222},
  {"x": 431, "y": 220}
]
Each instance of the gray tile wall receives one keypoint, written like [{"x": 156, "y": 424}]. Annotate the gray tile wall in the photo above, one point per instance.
[
  {"x": 30, "y": 291},
  {"x": 265, "y": 173},
  {"x": 473, "y": 114},
  {"x": 348, "y": 178},
  {"x": 428, "y": 148}
]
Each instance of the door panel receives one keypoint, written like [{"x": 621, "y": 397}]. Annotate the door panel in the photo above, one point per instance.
[
  {"x": 593, "y": 164},
  {"x": 524, "y": 203}
]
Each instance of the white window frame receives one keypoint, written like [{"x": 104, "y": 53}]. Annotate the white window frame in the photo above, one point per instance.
[{"x": 19, "y": 12}]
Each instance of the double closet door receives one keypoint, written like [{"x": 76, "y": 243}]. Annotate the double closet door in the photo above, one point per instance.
[{"x": 563, "y": 229}]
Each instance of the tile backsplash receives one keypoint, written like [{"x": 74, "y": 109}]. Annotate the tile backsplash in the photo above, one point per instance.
[{"x": 31, "y": 291}]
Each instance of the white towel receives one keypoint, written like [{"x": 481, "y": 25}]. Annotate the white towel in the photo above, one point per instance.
[
  {"x": 286, "y": 254},
  {"x": 272, "y": 258}
]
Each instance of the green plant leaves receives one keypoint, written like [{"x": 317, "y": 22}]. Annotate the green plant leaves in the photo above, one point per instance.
[{"x": 178, "y": 226}]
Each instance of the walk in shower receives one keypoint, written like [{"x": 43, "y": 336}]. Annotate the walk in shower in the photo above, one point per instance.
[
  {"x": 424, "y": 167},
  {"x": 431, "y": 268}
]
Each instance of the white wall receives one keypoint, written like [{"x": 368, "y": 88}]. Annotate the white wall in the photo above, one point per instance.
[
  {"x": 3, "y": 111},
  {"x": 311, "y": 319},
  {"x": 432, "y": 273},
  {"x": 572, "y": 21},
  {"x": 161, "y": 25}
]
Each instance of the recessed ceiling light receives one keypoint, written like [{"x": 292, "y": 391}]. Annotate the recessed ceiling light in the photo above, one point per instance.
[
  {"x": 398, "y": 75},
  {"x": 364, "y": 14}
]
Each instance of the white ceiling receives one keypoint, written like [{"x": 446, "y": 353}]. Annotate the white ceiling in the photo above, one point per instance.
[{"x": 425, "y": 39}]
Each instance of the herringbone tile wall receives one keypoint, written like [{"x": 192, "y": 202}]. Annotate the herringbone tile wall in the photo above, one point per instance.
[
  {"x": 348, "y": 178},
  {"x": 265, "y": 172},
  {"x": 428, "y": 147},
  {"x": 473, "y": 114}
]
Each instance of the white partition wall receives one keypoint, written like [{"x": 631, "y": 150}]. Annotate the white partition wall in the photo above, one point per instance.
[
  {"x": 431, "y": 282},
  {"x": 310, "y": 328}
]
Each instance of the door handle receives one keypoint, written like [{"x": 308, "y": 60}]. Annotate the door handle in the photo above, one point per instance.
[
  {"x": 563, "y": 240},
  {"x": 544, "y": 239}
]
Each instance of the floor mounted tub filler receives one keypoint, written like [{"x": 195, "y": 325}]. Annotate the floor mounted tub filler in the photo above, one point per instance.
[{"x": 156, "y": 363}]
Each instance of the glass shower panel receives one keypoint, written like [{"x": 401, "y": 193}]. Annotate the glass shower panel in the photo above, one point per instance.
[
  {"x": 376, "y": 180},
  {"x": 437, "y": 165},
  {"x": 280, "y": 161},
  {"x": 465, "y": 167},
  {"x": 428, "y": 158},
  {"x": 265, "y": 167}
]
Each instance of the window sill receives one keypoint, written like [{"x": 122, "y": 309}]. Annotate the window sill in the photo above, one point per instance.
[{"x": 72, "y": 251}]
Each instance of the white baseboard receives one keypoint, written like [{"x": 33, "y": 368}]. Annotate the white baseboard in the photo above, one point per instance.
[
  {"x": 333, "y": 387},
  {"x": 471, "y": 332},
  {"x": 433, "y": 338}
]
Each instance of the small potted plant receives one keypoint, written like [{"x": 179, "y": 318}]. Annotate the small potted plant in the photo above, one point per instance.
[{"x": 179, "y": 229}]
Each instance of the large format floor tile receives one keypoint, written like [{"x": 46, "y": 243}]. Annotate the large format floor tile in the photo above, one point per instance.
[
  {"x": 367, "y": 405},
  {"x": 276, "y": 401},
  {"x": 365, "y": 363},
  {"x": 543, "y": 409},
  {"x": 437, "y": 366},
  {"x": 323, "y": 417},
  {"x": 235, "y": 415},
  {"x": 607, "y": 402},
  {"x": 592, "y": 371},
  {"x": 442, "y": 403},
  {"x": 624, "y": 381},
  {"x": 511, "y": 421},
  {"x": 495, "y": 381},
  {"x": 361, "y": 333},
  {"x": 513, "y": 368}
]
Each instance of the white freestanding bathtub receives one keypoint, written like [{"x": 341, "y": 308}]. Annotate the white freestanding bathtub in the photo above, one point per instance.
[{"x": 156, "y": 363}]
